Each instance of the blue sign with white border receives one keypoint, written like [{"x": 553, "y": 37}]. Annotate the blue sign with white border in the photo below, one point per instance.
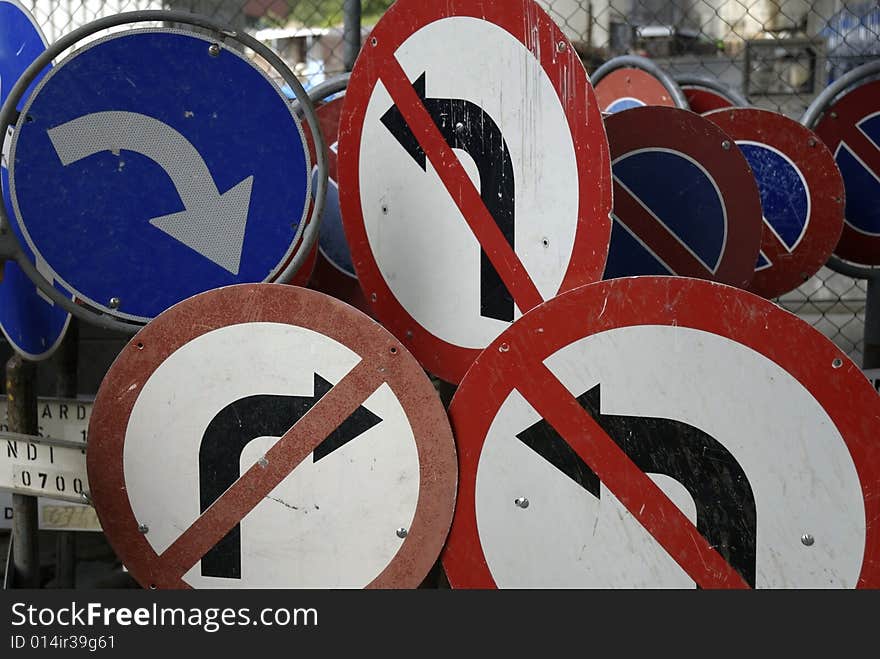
[
  {"x": 30, "y": 321},
  {"x": 175, "y": 166}
]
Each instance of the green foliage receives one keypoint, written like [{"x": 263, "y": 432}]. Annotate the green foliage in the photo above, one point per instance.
[{"x": 326, "y": 13}]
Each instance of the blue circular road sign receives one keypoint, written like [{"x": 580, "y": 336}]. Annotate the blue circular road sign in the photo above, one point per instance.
[
  {"x": 30, "y": 321},
  {"x": 154, "y": 164}
]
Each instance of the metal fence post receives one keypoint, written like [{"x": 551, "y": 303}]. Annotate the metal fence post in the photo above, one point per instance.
[
  {"x": 351, "y": 32},
  {"x": 66, "y": 387},
  {"x": 21, "y": 393},
  {"x": 871, "y": 355}
]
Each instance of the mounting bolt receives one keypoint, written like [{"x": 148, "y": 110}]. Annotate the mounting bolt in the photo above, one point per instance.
[
  {"x": 459, "y": 128},
  {"x": 503, "y": 347},
  {"x": 114, "y": 303},
  {"x": 521, "y": 502},
  {"x": 560, "y": 46},
  {"x": 143, "y": 528},
  {"x": 837, "y": 363},
  {"x": 833, "y": 115},
  {"x": 214, "y": 49},
  {"x": 807, "y": 539},
  {"x": 726, "y": 145},
  {"x": 811, "y": 142},
  {"x": 402, "y": 532}
]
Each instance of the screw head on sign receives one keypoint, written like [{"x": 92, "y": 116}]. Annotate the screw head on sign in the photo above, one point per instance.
[
  {"x": 834, "y": 115},
  {"x": 143, "y": 528},
  {"x": 374, "y": 42},
  {"x": 521, "y": 502},
  {"x": 402, "y": 532},
  {"x": 726, "y": 145},
  {"x": 811, "y": 142},
  {"x": 503, "y": 347},
  {"x": 459, "y": 128},
  {"x": 114, "y": 303},
  {"x": 807, "y": 539},
  {"x": 837, "y": 363},
  {"x": 561, "y": 46},
  {"x": 214, "y": 50}
]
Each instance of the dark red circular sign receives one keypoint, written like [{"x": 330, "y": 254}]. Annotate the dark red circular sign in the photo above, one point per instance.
[
  {"x": 421, "y": 126},
  {"x": 626, "y": 88},
  {"x": 685, "y": 201},
  {"x": 521, "y": 421},
  {"x": 802, "y": 195},
  {"x": 160, "y": 549},
  {"x": 850, "y": 127}
]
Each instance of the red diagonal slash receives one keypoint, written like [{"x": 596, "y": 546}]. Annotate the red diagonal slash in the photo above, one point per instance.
[
  {"x": 292, "y": 448},
  {"x": 656, "y": 236},
  {"x": 632, "y": 487},
  {"x": 458, "y": 183},
  {"x": 863, "y": 148}
]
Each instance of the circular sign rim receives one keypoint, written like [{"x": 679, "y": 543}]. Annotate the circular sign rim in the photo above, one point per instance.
[
  {"x": 679, "y": 128},
  {"x": 860, "y": 249},
  {"x": 613, "y": 79},
  {"x": 445, "y": 360},
  {"x": 816, "y": 165},
  {"x": 748, "y": 319},
  {"x": 277, "y": 270},
  {"x": 292, "y": 305}
]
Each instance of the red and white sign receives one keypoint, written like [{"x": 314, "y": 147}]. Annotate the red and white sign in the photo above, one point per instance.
[
  {"x": 270, "y": 436},
  {"x": 850, "y": 127},
  {"x": 626, "y": 88},
  {"x": 665, "y": 432},
  {"x": 472, "y": 187},
  {"x": 802, "y": 195}
]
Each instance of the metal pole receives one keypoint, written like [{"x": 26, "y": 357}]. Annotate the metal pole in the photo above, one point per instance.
[
  {"x": 66, "y": 387},
  {"x": 21, "y": 394},
  {"x": 871, "y": 357},
  {"x": 351, "y": 33}
]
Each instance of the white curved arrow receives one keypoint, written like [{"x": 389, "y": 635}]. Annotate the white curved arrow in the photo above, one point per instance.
[{"x": 211, "y": 223}]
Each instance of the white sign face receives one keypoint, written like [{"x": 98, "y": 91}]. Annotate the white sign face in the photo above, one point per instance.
[
  {"x": 42, "y": 469},
  {"x": 58, "y": 418},
  {"x": 419, "y": 237},
  {"x": 356, "y": 494},
  {"x": 54, "y": 515},
  {"x": 785, "y": 459}
]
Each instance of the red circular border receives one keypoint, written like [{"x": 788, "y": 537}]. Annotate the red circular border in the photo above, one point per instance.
[
  {"x": 632, "y": 83},
  {"x": 692, "y": 135},
  {"x": 825, "y": 187},
  {"x": 851, "y": 108},
  {"x": 844, "y": 393},
  {"x": 528, "y": 23},
  {"x": 277, "y": 303},
  {"x": 702, "y": 99}
]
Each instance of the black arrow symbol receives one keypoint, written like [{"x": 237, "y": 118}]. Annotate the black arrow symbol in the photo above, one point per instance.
[
  {"x": 468, "y": 127},
  {"x": 234, "y": 427},
  {"x": 724, "y": 500}
]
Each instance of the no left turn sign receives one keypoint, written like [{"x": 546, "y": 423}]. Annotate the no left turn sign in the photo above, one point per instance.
[
  {"x": 472, "y": 187},
  {"x": 270, "y": 436},
  {"x": 665, "y": 432}
]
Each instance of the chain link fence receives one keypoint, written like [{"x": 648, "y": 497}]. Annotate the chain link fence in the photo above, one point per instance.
[{"x": 779, "y": 54}]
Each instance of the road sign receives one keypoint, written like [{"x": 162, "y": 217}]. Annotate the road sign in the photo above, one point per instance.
[
  {"x": 32, "y": 324},
  {"x": 664, "y": 432},
  {"x": 334, "y": 272},
  {"x": 630, "y": 81},
  {"x": 446, "y": 264},
  {"x": 685, "y": 201},
  {"x": 705, "y": 94},
  {"x": 40, "y": 466},
  {"x": 850, "y": 127},
  {"x": 802, "y": 196},
  {"x": 176, "y": 162},
  {"x": 300, "y": 444}
]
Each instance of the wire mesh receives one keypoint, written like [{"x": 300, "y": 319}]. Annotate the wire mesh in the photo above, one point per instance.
[{"x": 779, "y": 54}]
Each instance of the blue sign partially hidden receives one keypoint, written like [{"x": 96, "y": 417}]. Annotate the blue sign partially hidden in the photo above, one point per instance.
[
  {"x": 30, "y": 321},
  {"x": 784, "y": 197},
  {"x": 175, "y": 166}
]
